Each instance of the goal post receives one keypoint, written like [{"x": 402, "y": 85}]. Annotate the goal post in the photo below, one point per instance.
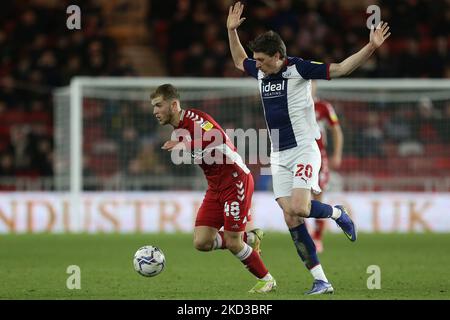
[{"x": 107, "y": 139}]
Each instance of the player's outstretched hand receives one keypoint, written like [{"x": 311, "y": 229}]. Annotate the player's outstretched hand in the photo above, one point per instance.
[
  {"x": 379, "y": 34},
  {"x": 234, "y": 19},
  {"x": 171, "y": 144}
]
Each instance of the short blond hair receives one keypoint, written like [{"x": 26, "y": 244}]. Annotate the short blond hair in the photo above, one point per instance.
[{"x": 167, "y": 91}]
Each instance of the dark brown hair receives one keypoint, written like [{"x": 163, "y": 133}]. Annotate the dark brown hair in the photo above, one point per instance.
[{"x": 268, "y": 43}]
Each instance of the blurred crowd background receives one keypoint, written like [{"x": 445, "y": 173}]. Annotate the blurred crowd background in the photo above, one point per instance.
[{"x": 187, "y": 38}]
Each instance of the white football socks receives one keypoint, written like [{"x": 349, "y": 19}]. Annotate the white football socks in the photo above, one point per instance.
[
  {"x": 336, "y": 213},
  {"x": 267, "y": 277},
  {"x": 244, "y": 253},
  {"x": 318, "y": 274},
  {"x": 250, "y": 237},
  {"x": 217, "y": 242}
]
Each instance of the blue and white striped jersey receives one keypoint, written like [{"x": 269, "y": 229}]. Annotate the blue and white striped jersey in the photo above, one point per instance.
[{"x": 287, "y": 101}]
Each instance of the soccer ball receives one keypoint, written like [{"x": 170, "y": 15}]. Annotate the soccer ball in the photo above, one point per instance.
[{"x": 149, "y": 261}]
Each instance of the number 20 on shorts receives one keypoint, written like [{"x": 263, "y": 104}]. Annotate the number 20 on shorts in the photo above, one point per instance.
[{"x": 302, "y": 169}]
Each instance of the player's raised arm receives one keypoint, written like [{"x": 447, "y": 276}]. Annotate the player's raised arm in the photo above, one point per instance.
[
  {"x": 377, "y": 37},
  {"x": 234, "y": 20}
]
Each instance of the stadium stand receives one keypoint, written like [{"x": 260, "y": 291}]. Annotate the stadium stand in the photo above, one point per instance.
[
  {"x": 188, "y": 38},
  {"x": 37, "y": 55}
]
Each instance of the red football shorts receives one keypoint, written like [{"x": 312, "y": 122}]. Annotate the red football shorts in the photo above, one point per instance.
[{"x": 229, "y": 207}]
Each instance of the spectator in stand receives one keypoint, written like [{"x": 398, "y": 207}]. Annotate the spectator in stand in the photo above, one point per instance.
[
  {"x": 438, "y": 57},
  {"x": 370, "y": 140},
  {"x": 398, "y": 126},
  {"x": 7, "y": 168},
  {"x": 43, "y": 158},
  {"x": 21, "y": 148},
  {"x": 444, "y": 124},
  {"x": 35, "y": 57},
  {"x": 304, "y": 25},
  {"x": 425, "y": 122}
]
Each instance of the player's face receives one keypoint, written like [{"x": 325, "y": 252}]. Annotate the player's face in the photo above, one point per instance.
[
  {"x": 266, "y": 63},
  {"x": 162, "y": 110}
]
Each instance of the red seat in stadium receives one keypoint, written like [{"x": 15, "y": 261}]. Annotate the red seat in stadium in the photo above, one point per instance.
[
  {"x": 436, "y": 149},
  {"x": 104, "y": 164},
  {"x": 443, "y": 163},
  {"x": 349, "y": 163}
]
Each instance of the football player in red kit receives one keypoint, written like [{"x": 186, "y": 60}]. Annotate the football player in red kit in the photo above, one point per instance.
[
  {"x": 230, "y": 184},
  {"x": 326, "y": 118}
]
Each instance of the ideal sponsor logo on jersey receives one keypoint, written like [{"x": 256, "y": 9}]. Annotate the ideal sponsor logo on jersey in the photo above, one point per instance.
[
  {"x": 273, "y": 89},
  {"x": 207, "y": 125}
]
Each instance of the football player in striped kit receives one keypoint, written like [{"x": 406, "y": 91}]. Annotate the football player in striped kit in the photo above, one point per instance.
[{"x": 285, "y": 89}]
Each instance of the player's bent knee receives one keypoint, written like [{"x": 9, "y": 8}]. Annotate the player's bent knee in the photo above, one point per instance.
[
  {"x": 234, "y": 244},
  {"x": 300, "y": 209},
  {"x": 289, "y": 213},
  {"x": 203, "y": 245},
  {"x": 292, "y": 221}
]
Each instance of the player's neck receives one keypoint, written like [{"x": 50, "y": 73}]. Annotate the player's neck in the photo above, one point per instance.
[
  {"x": 280, "y": 64},
  {"x": 175, "y": 122}
]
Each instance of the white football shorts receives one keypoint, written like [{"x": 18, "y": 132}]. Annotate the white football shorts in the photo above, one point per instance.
[{"x": 297, "y": 167}]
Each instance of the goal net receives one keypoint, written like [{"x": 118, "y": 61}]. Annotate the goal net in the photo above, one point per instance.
[{"x": 396, "y": 133}]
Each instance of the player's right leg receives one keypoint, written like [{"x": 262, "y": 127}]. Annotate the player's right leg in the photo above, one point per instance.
[
  {"x": 252, "y": 260},
  {"x": 305, "y": 246},
  {"x": 304, "y": 164}
]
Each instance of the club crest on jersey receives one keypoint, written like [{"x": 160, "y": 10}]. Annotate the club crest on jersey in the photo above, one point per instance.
[
  {"x": 207, "y": 125},
  {"x": 272, "y": 89},
  {"x": 333, "y": 117}
]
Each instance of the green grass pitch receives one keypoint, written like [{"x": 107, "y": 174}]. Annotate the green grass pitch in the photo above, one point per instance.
[{"x": 413, "y": 266}]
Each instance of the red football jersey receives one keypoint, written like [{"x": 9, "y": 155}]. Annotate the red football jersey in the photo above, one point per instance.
[
  {"x": 210, "y": 148},
  {"x": 325, "y": 116}
]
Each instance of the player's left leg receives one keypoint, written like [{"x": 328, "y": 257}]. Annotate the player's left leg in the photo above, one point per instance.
[
  {"x": 252, "y": 238},
  {"x": 209, "y": 238},
  {"x": 303, "y": 206},
  {"x": 305, "y": 248},
  {"x": 208, "y": 222},
  {"x": 205, "y": 238}
]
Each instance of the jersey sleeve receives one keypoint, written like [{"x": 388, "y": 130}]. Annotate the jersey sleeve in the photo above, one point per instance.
[
  {"x": 250, "y": 67},
  {"x": 204, "y": 132},
  {"x": 330, "y": 115},
  {"x": 313, "y": 69}
]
